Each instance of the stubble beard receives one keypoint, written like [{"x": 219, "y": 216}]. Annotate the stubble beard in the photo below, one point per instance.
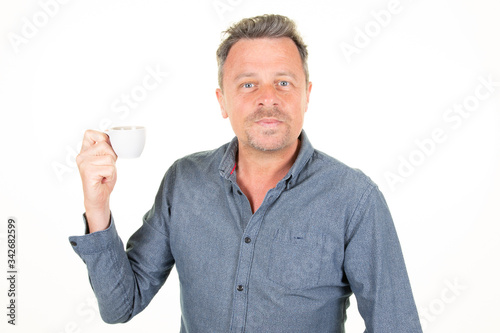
[{"x": 268, "y": 140}]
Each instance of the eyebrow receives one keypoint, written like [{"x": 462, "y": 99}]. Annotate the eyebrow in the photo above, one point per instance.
[
  {"x": 290, "y": 74},
  {"x": 252, "y": 74},
  {"x": 244, "y": 75}
]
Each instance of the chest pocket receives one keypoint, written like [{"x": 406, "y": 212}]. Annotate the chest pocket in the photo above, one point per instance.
[{"x": 295, "y": 259}]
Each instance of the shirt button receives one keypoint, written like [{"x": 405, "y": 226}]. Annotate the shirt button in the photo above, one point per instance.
[
  {"x": 73, "y": 243},
  {"x": 239, "y": 288},
  {"x": 248, "y": 240}
]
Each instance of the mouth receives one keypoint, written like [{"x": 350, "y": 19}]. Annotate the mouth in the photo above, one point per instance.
[{"x": 268, "y": 122}]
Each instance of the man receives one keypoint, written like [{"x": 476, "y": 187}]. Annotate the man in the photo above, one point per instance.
[{"x": 267, "y": 234}]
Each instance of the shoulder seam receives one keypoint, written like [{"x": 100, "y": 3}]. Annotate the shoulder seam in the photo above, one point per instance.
[{"x": 361, "y": 201}]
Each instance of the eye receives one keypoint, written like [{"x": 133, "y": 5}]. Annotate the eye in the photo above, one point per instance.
[
  {"x": 284, "y": 83},
  {"x": 248, "y": 85}
]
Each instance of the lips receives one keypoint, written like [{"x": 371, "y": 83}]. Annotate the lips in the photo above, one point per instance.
[
  {"x": 269, "y": 122},
  {"x": 269, "y": 118}
]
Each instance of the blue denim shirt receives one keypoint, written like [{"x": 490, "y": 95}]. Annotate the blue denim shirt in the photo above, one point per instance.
[{"x": 323, "y": 233}]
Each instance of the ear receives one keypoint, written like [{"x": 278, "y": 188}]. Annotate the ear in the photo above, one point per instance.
[
  {"x": 220, "y": 98},
  {"x": 308, "y": 94}
]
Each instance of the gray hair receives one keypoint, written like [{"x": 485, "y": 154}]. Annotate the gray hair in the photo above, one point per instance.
[{"x": 265, "y": 26}]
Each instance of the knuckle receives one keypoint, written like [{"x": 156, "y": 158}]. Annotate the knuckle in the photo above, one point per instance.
[
  {"x": 79, "y": 159},
  {"x": 93, "y": 136},
  {"x": 88, "y": 134},
  {"x": 101, "y": 144}
]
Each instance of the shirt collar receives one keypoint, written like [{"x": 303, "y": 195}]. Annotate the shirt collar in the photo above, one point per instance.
[{"x": 228, "y": 163}]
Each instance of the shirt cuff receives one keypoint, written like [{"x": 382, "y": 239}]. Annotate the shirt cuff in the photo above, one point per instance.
[{"x": 95, "y": 242}]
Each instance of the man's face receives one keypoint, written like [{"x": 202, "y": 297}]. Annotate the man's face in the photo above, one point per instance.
[{"x": 265, "y": 94}]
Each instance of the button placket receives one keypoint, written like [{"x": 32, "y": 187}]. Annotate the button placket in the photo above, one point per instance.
[
  {"x": 243, "y": 271},
  {"x": 245, "y": 262}
]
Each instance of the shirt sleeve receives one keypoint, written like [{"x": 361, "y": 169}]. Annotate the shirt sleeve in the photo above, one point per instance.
[
  {"x": 375, "y": 268},
  {"x": 125, "y": 281}
]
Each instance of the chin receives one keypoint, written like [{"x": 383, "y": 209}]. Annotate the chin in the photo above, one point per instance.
[
  {"x": 269, "y": 140},
  {"x": 268, "y": 145}
]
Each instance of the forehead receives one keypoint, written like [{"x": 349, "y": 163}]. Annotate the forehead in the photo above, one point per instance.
[{"x": 278, "y": 54}]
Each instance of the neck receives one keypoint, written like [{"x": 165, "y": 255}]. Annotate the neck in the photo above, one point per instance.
[
  {"x": 254, "y": 163},
  {"x": 259, "y": 171}
]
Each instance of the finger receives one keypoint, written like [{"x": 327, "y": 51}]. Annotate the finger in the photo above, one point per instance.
[
  {"x": 106, "y": 174},
  {"x": 100, "y": 149},
  {"x": 91, "y": 137},
  {"x": 102, "y": 160},
  {"x": 91, "y": 158},
  {"x": 100, "y": 174},
  {"x": 101, "y": 154}
]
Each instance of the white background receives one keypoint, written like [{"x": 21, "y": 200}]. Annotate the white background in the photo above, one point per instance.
[{"x": 368, "y": 110}]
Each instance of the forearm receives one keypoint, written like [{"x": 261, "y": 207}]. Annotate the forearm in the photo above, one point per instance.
[
  {"x": 123, "y": 281},
  {"x": 110, "y": 273},
  {"x": 376, "y": 270}
]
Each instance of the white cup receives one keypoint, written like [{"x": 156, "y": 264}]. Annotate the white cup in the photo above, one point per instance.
[{"x": 127, "y": 141}]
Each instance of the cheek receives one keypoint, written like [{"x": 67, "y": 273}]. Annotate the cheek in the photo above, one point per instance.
[
  {"x": 241, "y": 106},
  {"x": 235, "y": 113}
]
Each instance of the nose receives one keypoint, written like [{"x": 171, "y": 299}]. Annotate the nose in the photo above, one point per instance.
[{"x": 267, "y": 96}]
